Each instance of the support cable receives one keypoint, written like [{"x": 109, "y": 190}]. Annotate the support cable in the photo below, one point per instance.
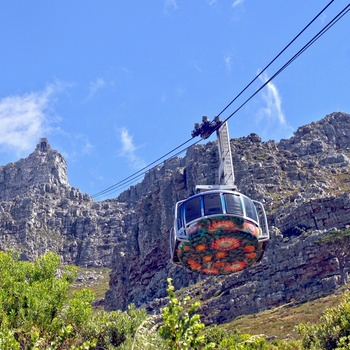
[
  {"x": 275, "y": 58},
  {"x": 302, "y": 50},
  {"x": 141, "y": 172}
]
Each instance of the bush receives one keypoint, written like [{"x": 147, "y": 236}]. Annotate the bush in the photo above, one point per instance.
[
  {"x": 183, "y": 330},
  {"x": 31, "y": 297},
  {"x": 115, "y": 329},
  {"x": 35, "y": 312},
  {"x": 333, "y": 330},
  {"x": 181, "y": 325}
]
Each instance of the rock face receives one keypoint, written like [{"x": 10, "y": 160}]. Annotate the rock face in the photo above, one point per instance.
[
  {"x": 303, "y": 181},
  {"x": 43, "y": 166},
  {"x": 40, "y": 212}
]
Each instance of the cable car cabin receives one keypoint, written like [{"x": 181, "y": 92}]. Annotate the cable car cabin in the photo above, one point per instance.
[{"x": 218, "y": 232}]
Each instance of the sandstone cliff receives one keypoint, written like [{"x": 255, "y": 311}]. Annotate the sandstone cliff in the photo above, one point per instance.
[
  {"x": 40, "y": 212},
  {"x": 303, "y": 181}
]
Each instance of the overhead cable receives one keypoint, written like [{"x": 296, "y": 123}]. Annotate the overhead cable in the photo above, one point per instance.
[
  {"x": 144, "y": 170},
  {"x": 137, "y": 174},
  {"x": 303, "y": 49},
  {"x": 275, "y": 58},
  {"x": 125, "y": 184}
]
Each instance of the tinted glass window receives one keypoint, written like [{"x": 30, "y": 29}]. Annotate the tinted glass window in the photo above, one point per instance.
[
  {"x": 250, "y": 209},
  {"x": 180, "y": 216},
  {"x": 212, "y": 204},
  {"x": 233, "y": 204},
  {"x": 193, "y": 209}
]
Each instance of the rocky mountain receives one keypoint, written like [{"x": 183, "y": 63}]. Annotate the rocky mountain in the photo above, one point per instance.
[
  {"x": 40, "y": 212},
  {"x": 303, "y": 182}
]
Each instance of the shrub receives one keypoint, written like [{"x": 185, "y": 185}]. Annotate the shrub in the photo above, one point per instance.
[
  {"x": 181, "y": 325},
  {"x": 333, "y": 330},
  {"x": 36, "y": 313}
]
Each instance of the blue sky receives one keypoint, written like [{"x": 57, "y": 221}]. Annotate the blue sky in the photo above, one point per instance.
[{"x": 114, "y": 85}]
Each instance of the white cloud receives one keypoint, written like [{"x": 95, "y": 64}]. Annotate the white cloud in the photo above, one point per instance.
[
  {"x": 94, "y": 87},
  {"x": 180, "y": 91},
  {"x": 85, "y": 147},
  {"x": 272, "y": 99},
  {"x": 163, "y": 98},
  {"x": 128, "y": 150},
  {"x": 169, "y": 5},
  {"x": 237, "y": 3},
  {"x": 228, "y": 62},
  {"x": 197, "y": 67},
  {"x": 75, "y": 145},
  {"x": 26, "y": 118},
  {"x": 272, "y": 114}
]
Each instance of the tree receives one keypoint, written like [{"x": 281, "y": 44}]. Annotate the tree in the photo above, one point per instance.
[{"x": 337, "y": 243}]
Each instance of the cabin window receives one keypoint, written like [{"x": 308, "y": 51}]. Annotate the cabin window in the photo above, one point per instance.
[
  {"x": 180, "y": 216},
  {"x": 212, "y": 204},
  {"x": 250, "y": 209},
  {"x": 233, "y": 204},
  {"x": 193, "y": 209}
]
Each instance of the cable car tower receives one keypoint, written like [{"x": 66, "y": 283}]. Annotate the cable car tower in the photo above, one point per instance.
[{"x": 218, "y": 231}]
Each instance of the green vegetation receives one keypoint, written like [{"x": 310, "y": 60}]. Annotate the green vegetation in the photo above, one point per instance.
[
  {"x": 340, "y": 182},
  {"x": 36, "y": 312},
  {"x": 93, "y": 278},
  {"x": 39, "y": 311},
  {"x": 181, "y": 325},
  {"x": 333, "y": 330},
  {"x": 280, "y": 322},
  {"x": 181, "y": 329}
]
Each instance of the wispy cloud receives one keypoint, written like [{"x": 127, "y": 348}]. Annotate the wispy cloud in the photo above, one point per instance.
[
  {"x": 272, "y": 114},
  {"x": 228, "y": 62},
  {"x": 83, "y": 144},
  {"x": 94, "y": 87},
  {"x": 237, "y": 3},
  {"x": 25, "y": 118},
  {"x": 75, "y": 146},
  {"x": 323, "y": 17},
  {"x": 272, "y": 99},
  {"x": 163, "y": 97},
  {"x": 180, "y": 91},
  {"x": 198, "y": 68},
  {"x": 128, "y": 150},
  {"x": 169, "y": 5}
]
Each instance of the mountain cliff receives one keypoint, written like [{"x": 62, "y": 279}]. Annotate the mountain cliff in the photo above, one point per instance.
[
  {"x": 303, "y": 182},
  {"x": 40, "y": 212}
]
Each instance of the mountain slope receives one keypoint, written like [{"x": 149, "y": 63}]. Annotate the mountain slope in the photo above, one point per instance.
[{"x": 303, "y": 182}]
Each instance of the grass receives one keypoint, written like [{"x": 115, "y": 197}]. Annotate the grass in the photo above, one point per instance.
[
  {"x": 280, "y": 322},
  {"x": 341, "y": 183},
  {"x": 95, "y": 279}
]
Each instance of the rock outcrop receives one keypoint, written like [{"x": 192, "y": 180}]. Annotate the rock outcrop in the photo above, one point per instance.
[
  {"x": 40, "y": 212},
  {"x": 303, "y": 182},
  {"x": 43, "y": 166}
]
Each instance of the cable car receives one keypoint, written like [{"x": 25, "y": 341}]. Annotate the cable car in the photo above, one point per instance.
[{"x": 218, "y": 231}]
